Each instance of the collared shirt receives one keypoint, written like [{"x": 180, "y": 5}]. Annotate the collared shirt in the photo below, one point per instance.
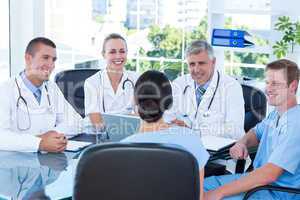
[
  {"x": 200, "y": 90},
  {"x": 30, "y": 86},
  {"x": 279, "y": 145},
  {"x": 205, "y": 85}
]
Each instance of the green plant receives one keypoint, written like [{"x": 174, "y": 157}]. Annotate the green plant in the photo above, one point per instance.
[{"x": 290, "y": 38}]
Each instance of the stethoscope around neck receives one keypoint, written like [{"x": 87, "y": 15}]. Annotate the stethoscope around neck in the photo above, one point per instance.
[
  {"x": 20, "y": 100},
  {"x": 206, "y": 113},
  {"x": 126, "y": 81}
]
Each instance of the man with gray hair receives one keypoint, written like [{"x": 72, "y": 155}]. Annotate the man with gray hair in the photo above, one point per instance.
[{"x": 205, "y": 99}]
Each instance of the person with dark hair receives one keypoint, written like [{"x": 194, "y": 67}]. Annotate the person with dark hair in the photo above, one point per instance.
[
  {"x": 111, "y": 89},
  {"x": 277, "y": 160},
  {"x": 153, "y": 96},
  {"x": 34, "y": 113}
]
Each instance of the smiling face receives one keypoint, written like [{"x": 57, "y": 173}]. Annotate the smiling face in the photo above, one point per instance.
[
  {"x": 40, "y": 63},
  {"x": 201, "y": 67},
  {"x": 115, "y": 53},
  {"x": 278, "y": 90}
]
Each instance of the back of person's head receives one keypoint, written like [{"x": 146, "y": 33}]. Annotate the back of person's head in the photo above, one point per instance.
[
  {"x": 290, "y": 68},
  {"x": 111, "y": 37},
  {"x": 153, "y": 95},
  {"x": 33, "y": 44},
  {"x": 198, "y": 46}
]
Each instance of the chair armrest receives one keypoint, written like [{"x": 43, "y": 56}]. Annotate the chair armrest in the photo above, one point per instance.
[
  {"x": 273, "y": 188},
  {"x": 225, "y": 155}
]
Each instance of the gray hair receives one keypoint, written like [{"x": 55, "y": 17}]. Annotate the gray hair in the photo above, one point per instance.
[{"x": 198, "y": 46}]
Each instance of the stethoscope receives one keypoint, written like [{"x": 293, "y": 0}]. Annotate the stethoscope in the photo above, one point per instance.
[
  {"x": 127, "y": 80},
  {"x": 206, "y": 113},
  {"x": 21, "y": 181},
  {"x": 21, "y": 99}
]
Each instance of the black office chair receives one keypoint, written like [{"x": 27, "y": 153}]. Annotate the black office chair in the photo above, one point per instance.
[
  {"x": 272, "y": 188},
  {"x": 172, "y": 74},
  {"x": 255, "y": 106},
  {"x": 136, "y": 171},
  {"x": 71, "y": 83},
  {"x": 255, "y": 111}
]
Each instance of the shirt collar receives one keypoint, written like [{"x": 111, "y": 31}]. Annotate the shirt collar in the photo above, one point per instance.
[
  {"x": 28, "y": 83},
  {"x": 205, "y": 85},
  {"x": 282, "y": 118}
]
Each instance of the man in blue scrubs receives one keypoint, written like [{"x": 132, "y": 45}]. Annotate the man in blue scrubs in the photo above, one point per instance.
[{"x": 277, "y": 161}]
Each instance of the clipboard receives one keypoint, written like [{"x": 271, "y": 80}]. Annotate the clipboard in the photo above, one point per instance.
[{"x": 216, "y": 144}]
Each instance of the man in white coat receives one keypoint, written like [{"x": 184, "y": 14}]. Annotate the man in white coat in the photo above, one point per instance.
[
  {"x": 33, "y": 112},
  {"x": 205, "y": 99}
]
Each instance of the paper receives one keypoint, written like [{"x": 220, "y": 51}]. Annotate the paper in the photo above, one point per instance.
[
  {"x": 215, "y": 143},
  {"x": 231, "y": 164},
  {"x": 76, "y": 145}
]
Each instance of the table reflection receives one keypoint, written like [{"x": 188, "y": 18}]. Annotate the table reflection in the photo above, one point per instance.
[{"x": 25, "y": 175}]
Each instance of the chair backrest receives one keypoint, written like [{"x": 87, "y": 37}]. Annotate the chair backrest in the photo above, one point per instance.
[
  {"x": 71, "y": 83},
  {"x": 135, "y": 171},
  {"x": 172, "y": 74},
  {"x": 255, "y": 111},
  {"x": 255, "y": 106}
]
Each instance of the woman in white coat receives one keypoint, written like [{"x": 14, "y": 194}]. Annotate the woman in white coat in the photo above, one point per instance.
[
  {"x": 33, "y": 112},
  {"x": 111, "y": 89}
]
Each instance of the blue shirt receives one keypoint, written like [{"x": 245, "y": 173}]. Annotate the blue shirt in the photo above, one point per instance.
[
  {"x": 200, "y": 90},
  {"x": 184, "y": 137},
  {"x": 205, "y": 85},
  {"x": 280, "y": 145},
  {"x": 29, "y": 85}
]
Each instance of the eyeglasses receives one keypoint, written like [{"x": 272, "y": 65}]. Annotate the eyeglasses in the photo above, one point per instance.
[{"x": 277, "y": 85}]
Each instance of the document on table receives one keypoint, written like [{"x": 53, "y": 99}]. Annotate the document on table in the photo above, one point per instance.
[
  {"x": 215, "y": 143},
  {"x": 76, "y": 145}
]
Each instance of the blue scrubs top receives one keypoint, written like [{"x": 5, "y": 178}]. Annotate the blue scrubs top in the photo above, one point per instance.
[{"x": 280, "y": 145}]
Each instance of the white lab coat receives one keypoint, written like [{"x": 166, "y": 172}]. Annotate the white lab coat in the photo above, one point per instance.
[
  {"x": 60, "y": 116},
  {"x": 226, "y": 115},
  {"x": 98, "y": 91}
]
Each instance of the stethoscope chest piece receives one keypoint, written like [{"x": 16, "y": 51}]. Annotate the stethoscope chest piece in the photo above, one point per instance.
[{"x": 206, "y": 114}]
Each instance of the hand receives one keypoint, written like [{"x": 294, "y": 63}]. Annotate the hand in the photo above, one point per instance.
[
  {"x": 53, "y": 141},
  {"x": 212, "y": 195},
  {"x": 239, "y": 151},
  {"x": 179, "y": 123}
]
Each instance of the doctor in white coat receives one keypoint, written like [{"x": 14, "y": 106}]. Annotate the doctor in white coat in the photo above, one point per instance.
[
  {"x": 205, "y": 99},
  {"x": 111, "y": 89},
  {"x": 33, "y": 112}
]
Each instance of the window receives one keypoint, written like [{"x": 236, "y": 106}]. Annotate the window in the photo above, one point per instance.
[
  {"x": 156, "y": 30},
  {"x": 4, "y": 40},
  {"x": 254, "y": 16}
]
